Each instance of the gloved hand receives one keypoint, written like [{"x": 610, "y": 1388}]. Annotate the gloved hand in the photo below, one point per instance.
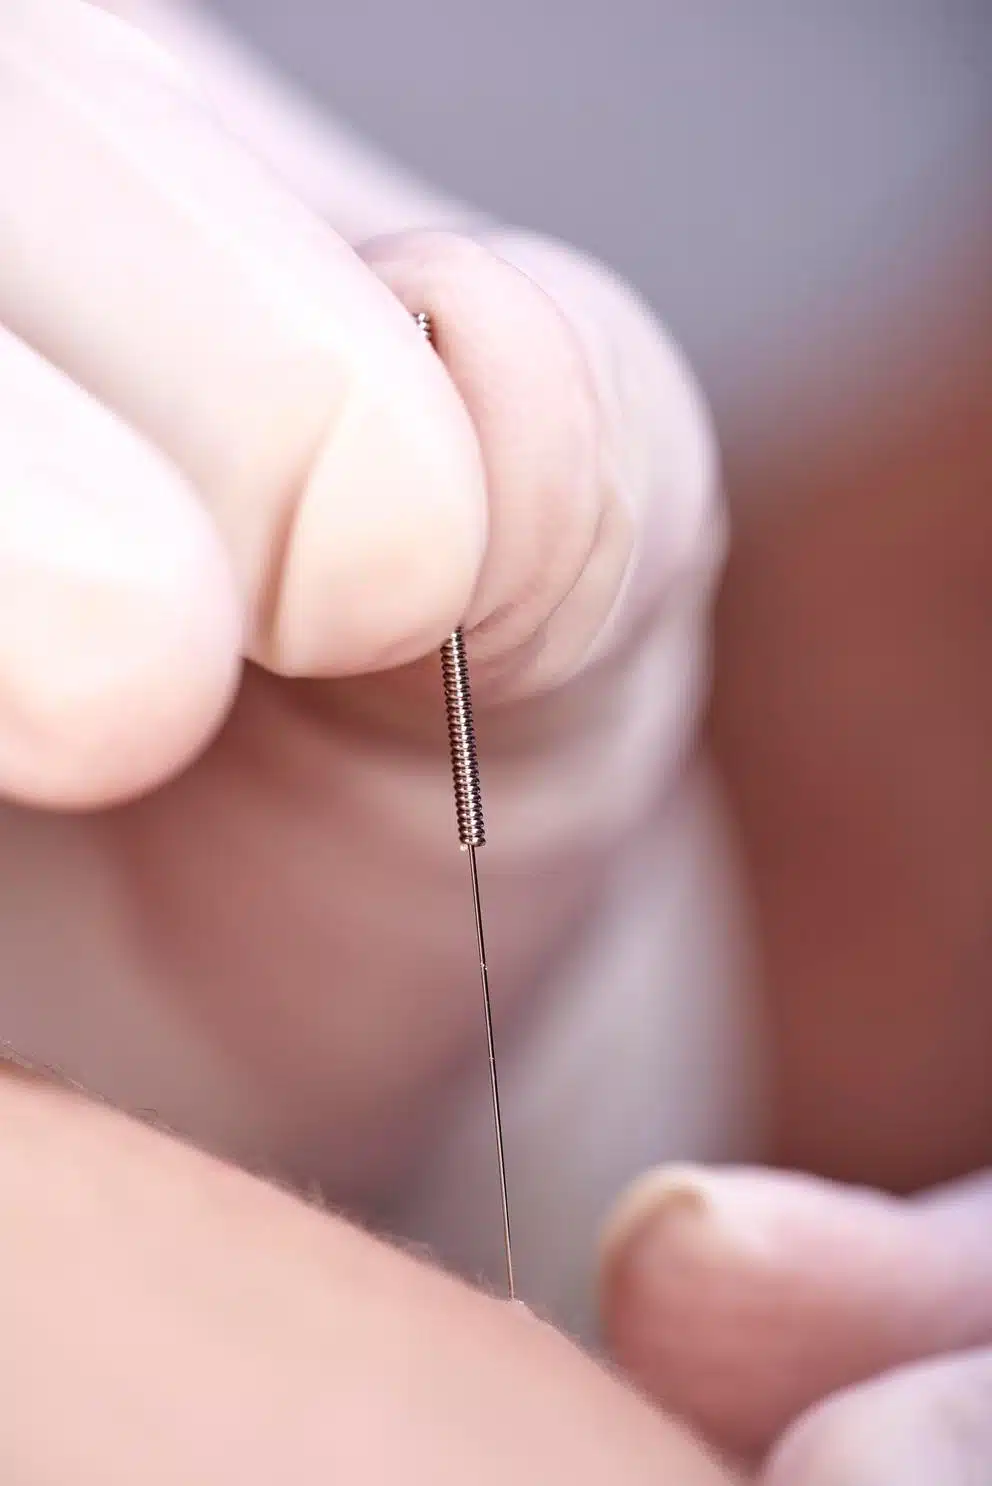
[
  {"x": 244, "y": 492},
  {"x": 838, "y": 1335},
  {"x": 243, "y": 505}
]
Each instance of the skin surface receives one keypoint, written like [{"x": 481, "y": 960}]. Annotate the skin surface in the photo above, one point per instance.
[{"x": 205, "y": 1327}]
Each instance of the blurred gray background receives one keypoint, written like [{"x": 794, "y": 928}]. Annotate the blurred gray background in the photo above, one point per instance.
[{"x": 759, "y": 170}]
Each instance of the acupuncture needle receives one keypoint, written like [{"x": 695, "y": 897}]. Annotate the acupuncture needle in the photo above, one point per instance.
[{"x": 471, "y": 836}]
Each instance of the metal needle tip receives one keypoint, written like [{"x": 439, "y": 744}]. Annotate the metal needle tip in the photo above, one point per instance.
[{"x": 493, "y": 1079}]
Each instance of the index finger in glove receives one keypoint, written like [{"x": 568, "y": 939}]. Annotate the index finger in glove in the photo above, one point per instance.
[{"x": 145, "y": 254}]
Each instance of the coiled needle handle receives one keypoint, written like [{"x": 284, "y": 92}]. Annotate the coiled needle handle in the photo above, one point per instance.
[{"x": 472, "y": 835}]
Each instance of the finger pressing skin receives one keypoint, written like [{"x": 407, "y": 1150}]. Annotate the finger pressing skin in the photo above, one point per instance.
[
  {"x": 739, "y": 1298},
  {"x": 120, "y": 633},
  {"x": 147, "y": 255},
  {"x": 928, "y": 1425}
]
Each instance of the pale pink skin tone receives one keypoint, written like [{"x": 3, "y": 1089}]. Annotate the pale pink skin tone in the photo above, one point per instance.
[
  {"x": 221, "y": 436},
  {"x": 168, "y": 1319},
  {"x": 748, "y": 1301},
  {"x": 262, "y": 459}
]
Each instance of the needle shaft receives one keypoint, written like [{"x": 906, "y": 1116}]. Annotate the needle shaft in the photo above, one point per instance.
[
  {"x": 493, "y": 1078},
  {"x": 472, "y": 835}
]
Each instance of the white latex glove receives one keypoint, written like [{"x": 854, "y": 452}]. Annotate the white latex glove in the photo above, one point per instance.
[
  {"x": 844, "y": 1335},
  {"x": 242, "y": 504},
  {"x": 224, "y": 438}
]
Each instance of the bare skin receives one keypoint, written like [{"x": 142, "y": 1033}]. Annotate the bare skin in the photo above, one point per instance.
[{"x": 168, "y": 1318}]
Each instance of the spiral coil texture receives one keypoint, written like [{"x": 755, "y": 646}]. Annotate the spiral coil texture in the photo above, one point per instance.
[{"x": 458, "y": 705}]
